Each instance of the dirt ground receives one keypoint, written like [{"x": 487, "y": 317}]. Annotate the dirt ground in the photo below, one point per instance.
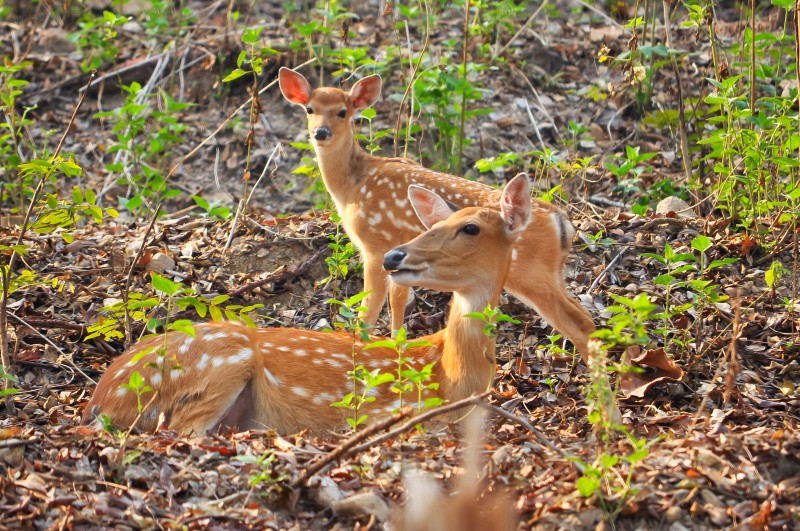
[{"x": 720, "y": 455}]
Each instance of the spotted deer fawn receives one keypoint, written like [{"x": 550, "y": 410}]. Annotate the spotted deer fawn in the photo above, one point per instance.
[
  {"x": 286, "y": 378},
  {"x": 369, "y": 193}
]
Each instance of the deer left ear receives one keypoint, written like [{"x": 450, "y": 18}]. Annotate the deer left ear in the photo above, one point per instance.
[
  {"x": 366, "y": 92},
  {"x": 515, "y": 203},
  {"x": 430, "y": 208}
]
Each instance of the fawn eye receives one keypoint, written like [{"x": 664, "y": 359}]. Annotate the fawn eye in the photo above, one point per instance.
[
  {"x": 309, "y": 110},
  {"x": 342, "y": 113},
  {"x": 471, "y": 229}
]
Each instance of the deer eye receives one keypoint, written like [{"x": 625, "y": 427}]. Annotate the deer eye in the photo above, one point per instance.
[
  {"x": 342, "y": 113},
  {"x": 309, "y": 110},
  {"x": 471, "y": 229}
]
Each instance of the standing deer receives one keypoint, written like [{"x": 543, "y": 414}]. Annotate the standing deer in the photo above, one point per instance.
[
  {"x": 369, "y": 195},
  {"x": 286, "y": 378}
]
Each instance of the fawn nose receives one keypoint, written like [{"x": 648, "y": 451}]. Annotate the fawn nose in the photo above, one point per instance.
[
  {"x": 322, "y": 133},
  {"x": 393, "y": 259}
]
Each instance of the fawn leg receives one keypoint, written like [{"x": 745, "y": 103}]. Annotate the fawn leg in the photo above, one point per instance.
[
  {"x": 376, "y": 282},
  {"x": 400, "y": 299}
]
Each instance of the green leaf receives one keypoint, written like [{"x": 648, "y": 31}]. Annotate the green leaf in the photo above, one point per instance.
[
  {"x": 236, "y": 74},
  {"x": 383, "y": 343},
  {"x": 587, "y": 486},
  {"x": 164, "y": 285},
  {"x": 701, "y": 243},
  {"x": 183, "y": 325}
]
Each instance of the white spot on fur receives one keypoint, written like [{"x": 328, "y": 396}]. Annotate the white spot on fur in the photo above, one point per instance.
[
  {"x": 243, "y": 355},
  {"x": 302, "y": 392},
  {"x": 187, "y": 343},
  {"x": 119, "y": 373},
  {"x": 266, "y": 345},
  {"x": 203, "y": 362},
  {"x": 215, "y": 336},
  {"x": 320, "y": 350},
  {"x": 121, "y": 392},
  {"x": 300, "y": 352},
  {"x": 155, "y": 379},
  {"x": 271, "y": 377},
  {"x": 323, "y": 398},
  {"x": 513, "y": 254},
  {"x": 175, "y": 373},
  {"x": 283, "y": 349},
  {"x": 218, "y": 361}
]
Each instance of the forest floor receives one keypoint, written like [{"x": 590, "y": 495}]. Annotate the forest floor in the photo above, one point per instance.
[{"x": 723, "y": 449}]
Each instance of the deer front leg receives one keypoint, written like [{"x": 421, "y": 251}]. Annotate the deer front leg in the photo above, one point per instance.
[
  {"x": 375, "y": 282},
  {"x": 400, "y": 298}
]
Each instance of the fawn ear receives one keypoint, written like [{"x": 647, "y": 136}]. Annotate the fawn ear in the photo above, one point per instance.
[
  {"x": 294, "y": 86},
  {"x": 430, "y": 208},
  {"x": 366, "y": 92},
  {"x": 515, "y": 203}
]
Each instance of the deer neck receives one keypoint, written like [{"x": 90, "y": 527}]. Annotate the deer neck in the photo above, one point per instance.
[
  {"x": 468, "y": 355},
  {"x": 343, "y": 168}
]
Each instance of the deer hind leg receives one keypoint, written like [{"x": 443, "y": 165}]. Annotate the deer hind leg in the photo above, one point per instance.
[
  {"x": 544, "y": 290},
  {"x": 377, "y": 283}
]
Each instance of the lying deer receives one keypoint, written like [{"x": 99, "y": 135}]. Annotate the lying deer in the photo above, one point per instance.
[
  {"x": 286, "y": 378},
  {"x": 369, "y": 193}
]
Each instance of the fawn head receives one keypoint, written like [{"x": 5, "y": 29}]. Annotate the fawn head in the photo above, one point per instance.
[
  {"x": 462, "y": 250},
  {"x": 329, "y": 110}
]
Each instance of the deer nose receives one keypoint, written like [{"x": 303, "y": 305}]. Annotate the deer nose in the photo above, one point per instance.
[
  {"x": 322, "y": 133},
  {"x": 393, "y": 259}
]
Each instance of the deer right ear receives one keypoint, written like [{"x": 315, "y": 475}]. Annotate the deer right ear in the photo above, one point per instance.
[
  {"x": 294, "y": 86},
  {"x": 366, "y": 92},
  {"x": 430, "y": 208}
]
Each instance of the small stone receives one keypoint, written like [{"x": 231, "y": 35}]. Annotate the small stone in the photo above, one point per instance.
[
  {"x": 159, "y": 263},
  {"x": 673, "y": 514},
  {"x": 677, "y": 205},
  {"x": 362, "y": 504}
]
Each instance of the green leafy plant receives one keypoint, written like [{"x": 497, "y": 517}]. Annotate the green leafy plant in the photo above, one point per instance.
[
  {"x": 362, "y": 380},
  {"x": 491, "y": 317},
  {"x": 408, "y": 378},
  {"x": 96, "y": 38}
]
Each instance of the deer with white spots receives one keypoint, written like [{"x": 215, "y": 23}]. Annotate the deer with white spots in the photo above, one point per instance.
[
  {"x": 286, "y": 378},
  {"x": 369, "y": 193}
]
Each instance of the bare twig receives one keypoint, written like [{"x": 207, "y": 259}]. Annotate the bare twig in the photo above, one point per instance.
[
  {"x": 281, "y": 276},
  {"x": 346, "y": 446},
  {"x": 605, "y": 271},
  {"x": 520, "y": 30}
]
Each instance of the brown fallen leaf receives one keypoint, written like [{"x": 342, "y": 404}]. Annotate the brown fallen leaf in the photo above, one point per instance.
[{"x": 658, "y": 367}]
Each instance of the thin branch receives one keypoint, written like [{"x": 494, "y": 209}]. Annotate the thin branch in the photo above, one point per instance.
[{"x": 347, "y": 445}]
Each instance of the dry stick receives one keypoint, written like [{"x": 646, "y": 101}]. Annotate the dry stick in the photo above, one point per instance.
[
  {"x": 128, "y": 322},
  {"x": 282, "y": 276},
  {"x": 685, "y": 156},
  {"x": 343, "y": 448},
  {"x": 521, "y": 29},
  {"x": 348, "y": 447},
  {"x": 5, "y": 357},
  {"x": 423, "y": 417},
  {"x": 57, "y": 324},
  {"x": 225, "y": 122},
  {"x": 409, "y": 87},
  {"x": 544, "y": 441},
  {"x": 461, "y": 133}
]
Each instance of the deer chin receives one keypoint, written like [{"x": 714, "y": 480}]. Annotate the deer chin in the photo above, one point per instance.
[{"x": 407, "y": 277}]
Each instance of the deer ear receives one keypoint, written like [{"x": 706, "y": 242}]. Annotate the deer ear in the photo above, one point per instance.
[
  {"x": 515, "y": 203},
  {"x": 430, "y": 208},
  {"x": 366, "y": 92},
  {"x": 294, "y": 86}
]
